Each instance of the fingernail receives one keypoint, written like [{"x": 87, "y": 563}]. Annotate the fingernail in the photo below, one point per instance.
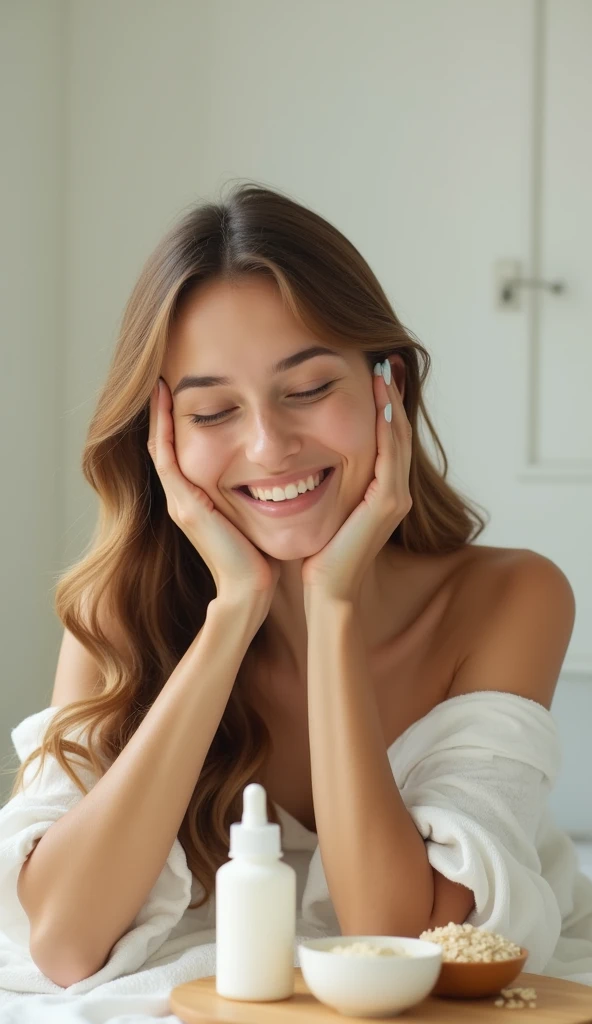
[
  {"x": 377, "y": 369},
  {"x": 160, "y": 386},
  {"x": 386, "y": 371},
  {"x": 388, "y": 412}
]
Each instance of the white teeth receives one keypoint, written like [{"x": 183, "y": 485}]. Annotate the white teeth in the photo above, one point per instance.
[{"x": 289, "y": 492}]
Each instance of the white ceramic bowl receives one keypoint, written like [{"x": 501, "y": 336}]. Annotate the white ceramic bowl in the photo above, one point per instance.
[{"x": 370, "y": 986}]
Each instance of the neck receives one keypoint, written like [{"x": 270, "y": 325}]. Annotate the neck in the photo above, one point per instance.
[{"x": 285, "y": 632}]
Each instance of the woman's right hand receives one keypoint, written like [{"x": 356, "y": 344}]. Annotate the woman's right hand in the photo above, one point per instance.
[{"x": 237, "y": 566}]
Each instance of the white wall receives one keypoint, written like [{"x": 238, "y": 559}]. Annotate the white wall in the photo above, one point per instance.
[
  {"x": 32, "y": 214},
  {"x": 393, "y": 119}
]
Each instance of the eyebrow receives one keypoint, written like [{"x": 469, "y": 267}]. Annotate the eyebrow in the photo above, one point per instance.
[{"x": 281, "y": 366}]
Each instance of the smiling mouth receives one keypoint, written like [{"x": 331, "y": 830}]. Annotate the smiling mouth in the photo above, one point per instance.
[{"x": 245, "y": 489}]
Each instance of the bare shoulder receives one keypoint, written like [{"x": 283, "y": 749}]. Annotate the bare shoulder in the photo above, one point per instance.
[{"x": 518, "y": 608}]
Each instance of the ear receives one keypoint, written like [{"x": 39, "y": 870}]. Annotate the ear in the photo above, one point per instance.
[{"x": 398, "y": 372}]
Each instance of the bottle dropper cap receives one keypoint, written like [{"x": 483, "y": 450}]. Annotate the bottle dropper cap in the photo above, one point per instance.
[{"x": 255, "y": 836}]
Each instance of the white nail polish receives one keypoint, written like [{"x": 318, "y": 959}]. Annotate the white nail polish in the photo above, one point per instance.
[
  {"x": 377, "y": 369},
  {"x": 386, "y": 371},
  {"x": 388, "y": 412}
]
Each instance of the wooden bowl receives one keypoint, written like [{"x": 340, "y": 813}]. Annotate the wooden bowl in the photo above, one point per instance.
[{"x": 470, "y": 981}]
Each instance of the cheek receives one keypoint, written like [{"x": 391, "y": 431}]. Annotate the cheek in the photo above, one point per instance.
[
  {"x": 355, "y": 440},
  {"x": 353, "y": 429},
  {"x": 354, "y": 437},
  {"x": 198, "y": 459}
]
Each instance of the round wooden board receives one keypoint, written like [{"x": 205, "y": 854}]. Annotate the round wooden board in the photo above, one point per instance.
[{"x": 558, "y": 1002}]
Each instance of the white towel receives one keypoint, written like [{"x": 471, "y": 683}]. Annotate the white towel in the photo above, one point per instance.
[{"x": 475, "y": 774}]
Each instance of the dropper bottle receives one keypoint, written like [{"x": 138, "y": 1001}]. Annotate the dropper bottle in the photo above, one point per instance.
[{"x": 255, "y": 909}]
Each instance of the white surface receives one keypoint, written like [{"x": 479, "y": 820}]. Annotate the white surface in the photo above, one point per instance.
[
  {"x": 564, "y": 371},
  {"x": 474, "y": 774}
]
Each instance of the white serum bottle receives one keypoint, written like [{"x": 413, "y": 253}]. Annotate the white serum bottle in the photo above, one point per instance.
[{"x": 255, "y": 909}]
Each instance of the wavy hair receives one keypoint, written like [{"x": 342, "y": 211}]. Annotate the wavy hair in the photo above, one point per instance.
[{"x": 141, "y": 564}]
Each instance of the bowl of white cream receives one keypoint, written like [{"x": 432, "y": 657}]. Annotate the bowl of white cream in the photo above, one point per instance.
[{"x": 369, "y": 975}]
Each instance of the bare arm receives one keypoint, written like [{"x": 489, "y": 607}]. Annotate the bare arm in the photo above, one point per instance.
[
  {"x": 375, "y": 859},
  {"x": 90, "y": 873}
]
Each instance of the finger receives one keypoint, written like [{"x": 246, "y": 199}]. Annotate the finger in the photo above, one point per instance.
[
  {"x": 400, "y": 423},
  {"x": 385, "y": 436},
  {"x": 383, "y": 397},
  {"x": 153, "y": 422},
  {"x": 400, "y": 435},
  {"x": 163, "y": 448},
  {"x": 152, "y": 416},
  {"x": 182, "y": 496},
  {"x": 166, "y": 458},
  {"x": 393, "y": 455}
]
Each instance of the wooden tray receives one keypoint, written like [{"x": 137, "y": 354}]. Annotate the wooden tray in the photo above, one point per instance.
[{"x": 558, "y": 1002}]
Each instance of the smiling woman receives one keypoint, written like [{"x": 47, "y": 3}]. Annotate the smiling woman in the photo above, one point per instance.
[
  {"x": 256, "y": 400},
  {"x": 282, "y": 588}
]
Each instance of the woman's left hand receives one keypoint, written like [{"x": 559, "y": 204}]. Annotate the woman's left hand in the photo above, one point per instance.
[{"x": 338, "y": 569}]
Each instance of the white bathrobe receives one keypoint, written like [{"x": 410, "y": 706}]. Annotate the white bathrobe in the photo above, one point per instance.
[{"x": 475, "y": 774}]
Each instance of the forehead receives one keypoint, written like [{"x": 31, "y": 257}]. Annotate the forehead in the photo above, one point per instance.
[
  {"x": 243, "y": 323},
  {"x": 231, "y": 315}
]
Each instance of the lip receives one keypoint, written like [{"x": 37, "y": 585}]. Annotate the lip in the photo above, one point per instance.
[
  {"x": 292, "y": 506},
  {"x": 282, "y": 481}
]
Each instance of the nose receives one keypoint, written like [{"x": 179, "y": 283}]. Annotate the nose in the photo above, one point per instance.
[{"x": 270, "y": 439}]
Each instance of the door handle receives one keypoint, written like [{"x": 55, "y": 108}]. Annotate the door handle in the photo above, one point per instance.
[{"x": 508, "y": 290}]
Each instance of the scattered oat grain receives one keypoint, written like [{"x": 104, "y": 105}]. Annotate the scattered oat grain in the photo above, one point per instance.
[{"x": 517, "y": 998}]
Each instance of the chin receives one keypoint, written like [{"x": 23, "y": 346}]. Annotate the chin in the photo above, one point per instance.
[{"x": 291, "y": 550}]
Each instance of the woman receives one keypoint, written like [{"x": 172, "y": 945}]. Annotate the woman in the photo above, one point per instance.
[{"x": 387, "y": 680}]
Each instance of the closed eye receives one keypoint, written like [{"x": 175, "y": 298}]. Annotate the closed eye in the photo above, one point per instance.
[{"x": 196, "y": 418}]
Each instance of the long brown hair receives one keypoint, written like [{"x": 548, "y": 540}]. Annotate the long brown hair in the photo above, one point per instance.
[{"x": 141, "y": 564}]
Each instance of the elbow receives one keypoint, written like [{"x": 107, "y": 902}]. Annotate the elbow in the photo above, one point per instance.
[
  {"x": 452, "y": 902},
  {"x": 61, "y": 965},
  {"x": 64, "y": 966}
]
